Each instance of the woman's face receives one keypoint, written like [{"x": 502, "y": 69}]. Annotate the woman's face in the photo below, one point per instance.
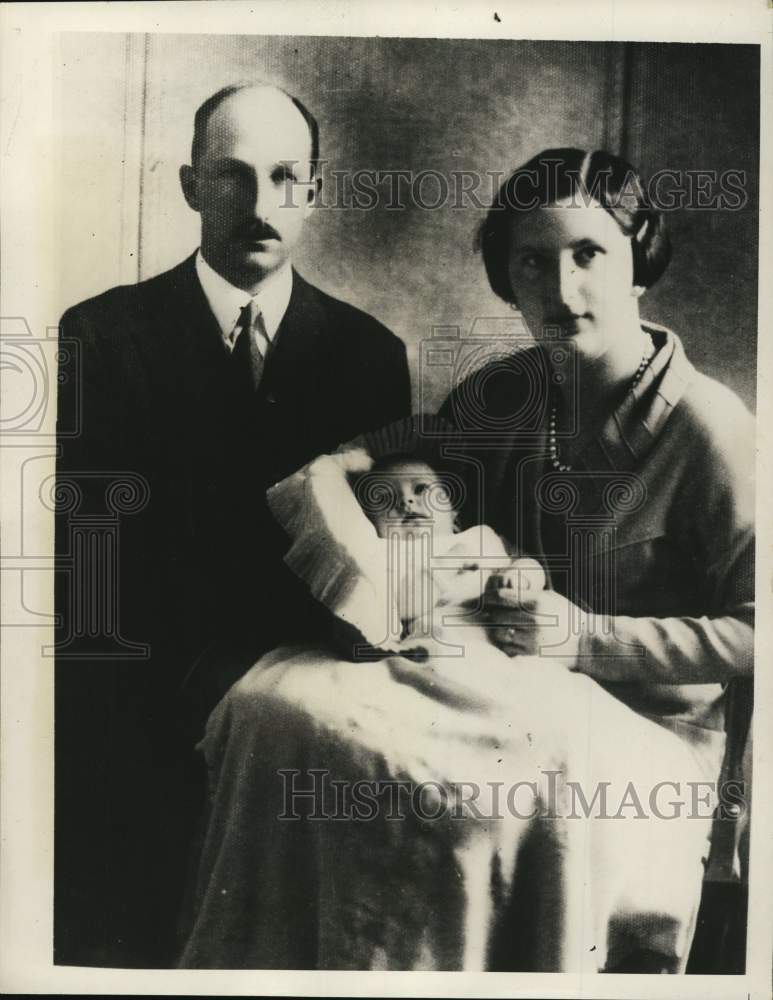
[{"x": 571, "y": 270}]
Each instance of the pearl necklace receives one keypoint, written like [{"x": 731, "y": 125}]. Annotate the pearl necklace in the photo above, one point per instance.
[{"x": 557, "y": 464}]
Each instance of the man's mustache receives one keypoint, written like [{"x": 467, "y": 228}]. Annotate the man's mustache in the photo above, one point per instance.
[{"x": 256, "y": 231}]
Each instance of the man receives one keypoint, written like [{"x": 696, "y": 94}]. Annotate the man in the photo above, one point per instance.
[{"x": 209, "y": 383}]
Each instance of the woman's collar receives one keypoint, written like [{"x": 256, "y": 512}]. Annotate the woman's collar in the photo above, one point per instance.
[{"x": 631, "y": 431}]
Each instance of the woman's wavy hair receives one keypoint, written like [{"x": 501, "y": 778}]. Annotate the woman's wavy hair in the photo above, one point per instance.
[{"x": 561, "y": 174}]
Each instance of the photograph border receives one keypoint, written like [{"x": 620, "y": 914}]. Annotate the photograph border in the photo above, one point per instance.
[{"x": 30, "y": 138}]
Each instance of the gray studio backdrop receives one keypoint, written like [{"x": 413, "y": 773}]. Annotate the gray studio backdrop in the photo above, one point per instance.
[{"x": 452, "y": 107}]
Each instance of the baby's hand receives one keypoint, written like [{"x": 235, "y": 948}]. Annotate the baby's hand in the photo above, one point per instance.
[{"x": 524, "y": 576}]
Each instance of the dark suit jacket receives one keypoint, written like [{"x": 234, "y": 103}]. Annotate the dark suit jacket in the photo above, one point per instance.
[
  {"x": 199, "y": 571},
  {"x": 159, "y": 399}
]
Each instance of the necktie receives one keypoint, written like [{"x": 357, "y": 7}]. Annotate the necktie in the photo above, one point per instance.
[{"x": 246, "y": 356}]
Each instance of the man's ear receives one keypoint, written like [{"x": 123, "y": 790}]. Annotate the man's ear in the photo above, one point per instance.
[
  {"x": 314, "y": 191},
  {"x": 189, "y": 186}
]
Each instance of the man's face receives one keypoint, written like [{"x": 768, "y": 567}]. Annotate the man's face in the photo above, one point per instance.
[{"x": 252, "y": 185}]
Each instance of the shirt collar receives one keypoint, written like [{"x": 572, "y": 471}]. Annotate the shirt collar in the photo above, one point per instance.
[
  {"x": 227, "y": 301},
  {"x": 632, "y": 430}
]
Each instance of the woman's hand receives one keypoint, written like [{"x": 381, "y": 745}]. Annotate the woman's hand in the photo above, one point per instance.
[{"x": 533, "y": 622}]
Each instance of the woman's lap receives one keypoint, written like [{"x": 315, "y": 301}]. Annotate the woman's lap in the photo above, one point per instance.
[{"x": 539, "y": 756}]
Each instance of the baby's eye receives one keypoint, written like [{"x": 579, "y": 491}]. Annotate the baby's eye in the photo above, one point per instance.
[
  {"x": 586, "y": 255},
  {"x": 420, "y": 488}
]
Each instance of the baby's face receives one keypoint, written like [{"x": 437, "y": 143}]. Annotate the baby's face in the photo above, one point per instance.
[{"x": 408, "y": 495}]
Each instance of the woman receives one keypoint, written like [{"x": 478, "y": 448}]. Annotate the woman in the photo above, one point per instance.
[
  {"x": 640, "y": 466},
  {"x": 602, "y": 452},
  {"x": 627, "y": 428}
]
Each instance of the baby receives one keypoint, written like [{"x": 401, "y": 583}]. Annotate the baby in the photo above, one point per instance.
[
  {"x": 438, "y": 573},
  {"x": 379, "y": 545},
  {"x": 405, "y": 492}
]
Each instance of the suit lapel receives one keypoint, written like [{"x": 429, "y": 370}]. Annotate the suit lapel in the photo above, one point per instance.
[
  {"x": 189, "y": 340},
  {"x": 192, "y": 334},
  {"x": 177, "y": 342},
  {"x": 300, "y": 344}
]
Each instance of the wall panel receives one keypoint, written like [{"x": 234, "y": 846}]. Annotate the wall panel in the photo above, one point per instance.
[
  {"x": 696, "y": 107},
  {"x": 417, "y": 104},
  {"x": 101, "y": 116}
]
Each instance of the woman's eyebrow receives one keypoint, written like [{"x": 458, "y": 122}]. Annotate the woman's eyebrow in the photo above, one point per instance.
[{"x": 585, "y": 241}]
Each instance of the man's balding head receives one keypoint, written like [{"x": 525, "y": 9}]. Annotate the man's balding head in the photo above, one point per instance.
[
  {"x": 252, "y": 179},
  {"x": 206, "y": 110}
]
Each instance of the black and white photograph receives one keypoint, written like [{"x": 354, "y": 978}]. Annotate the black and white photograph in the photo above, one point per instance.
[{"x": 385, "y": 446}]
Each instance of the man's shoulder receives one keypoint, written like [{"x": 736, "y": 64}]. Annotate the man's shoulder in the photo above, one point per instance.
[
  {"x": 344, "y": 319},
  {"x": 130, "y": 301}
]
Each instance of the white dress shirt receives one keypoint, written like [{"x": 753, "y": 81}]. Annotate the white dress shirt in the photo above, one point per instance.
[{"x": 227, "y": 301}]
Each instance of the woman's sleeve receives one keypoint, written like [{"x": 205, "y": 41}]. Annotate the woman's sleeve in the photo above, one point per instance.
[
  {"x": 675, "y": 650},
  {"x": 717, "y": 518}
]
